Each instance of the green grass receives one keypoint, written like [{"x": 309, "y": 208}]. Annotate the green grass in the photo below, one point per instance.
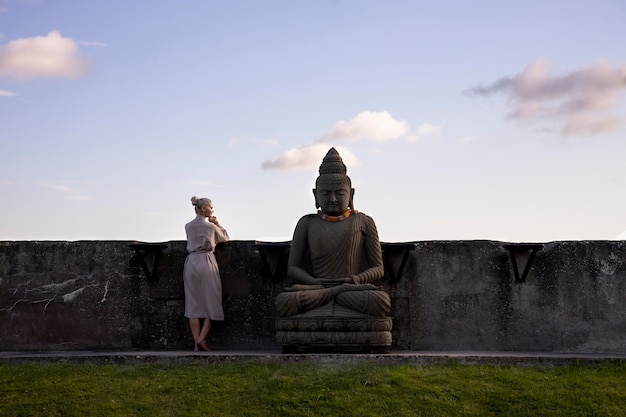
[{"x": 329, "y": 389}]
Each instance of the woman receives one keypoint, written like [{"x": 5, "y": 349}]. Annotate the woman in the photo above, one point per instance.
[{"x": 203, "y": 286}]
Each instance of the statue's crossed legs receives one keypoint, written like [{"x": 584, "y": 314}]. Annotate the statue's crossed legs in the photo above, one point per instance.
[{"x": 362, "y": 298}]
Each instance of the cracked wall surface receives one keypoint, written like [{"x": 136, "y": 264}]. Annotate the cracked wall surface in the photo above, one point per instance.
[
  {"x": 453, "y": 295},
  {"x": 63, "y": 295}
]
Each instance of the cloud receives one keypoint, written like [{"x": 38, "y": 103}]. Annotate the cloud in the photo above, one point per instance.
[
  {"x": 425, "y": 129},
  {"x": 308, "y": 157},
  {"x": 70, "y": 192},
  {"x": 75, "y": 196},
  {"x": 367, "y": 125},
  {"x": 621, "y": 236},
  {"x": 42, "y": 56},
  {"x": 579, "y": 102},
  {"x": 5, "y": 93},
  {"x": 469, "y": 139}
]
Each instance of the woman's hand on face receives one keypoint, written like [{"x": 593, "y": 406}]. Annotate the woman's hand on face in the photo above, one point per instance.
[{"x": 213, "y": 220}]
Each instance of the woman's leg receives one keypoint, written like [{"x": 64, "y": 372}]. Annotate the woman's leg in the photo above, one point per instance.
[
  {"x": 204, "y": 334},
  {"x": 194, "y": 325}
]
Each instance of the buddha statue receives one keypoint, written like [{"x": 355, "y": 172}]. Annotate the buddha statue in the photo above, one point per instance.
[{"x": 335, "y": 260}]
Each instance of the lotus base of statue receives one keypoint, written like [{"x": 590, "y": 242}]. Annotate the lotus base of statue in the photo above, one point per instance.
[{"x": 334, "y": 327}]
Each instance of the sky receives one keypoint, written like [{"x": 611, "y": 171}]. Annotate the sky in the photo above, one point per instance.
[{"x": 457, "y": 120}]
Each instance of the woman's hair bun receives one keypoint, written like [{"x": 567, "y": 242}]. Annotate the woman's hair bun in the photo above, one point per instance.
[{"x": 194, "y": 200}]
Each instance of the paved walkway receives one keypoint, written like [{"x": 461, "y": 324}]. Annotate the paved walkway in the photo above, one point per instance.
[{"x": 391, "y": 357}]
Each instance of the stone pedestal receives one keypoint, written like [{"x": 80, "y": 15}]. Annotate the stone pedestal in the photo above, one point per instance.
[{"x": 333, "y": 326}]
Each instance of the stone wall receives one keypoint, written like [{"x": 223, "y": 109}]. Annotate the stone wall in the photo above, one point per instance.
[{"x": 452, "y": 295}]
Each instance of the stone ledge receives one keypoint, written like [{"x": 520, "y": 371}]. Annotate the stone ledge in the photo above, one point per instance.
[{"x": 417, "y": 358}]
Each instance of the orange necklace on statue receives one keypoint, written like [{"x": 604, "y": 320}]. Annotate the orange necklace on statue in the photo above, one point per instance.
[{"x": 336, "y": 218}]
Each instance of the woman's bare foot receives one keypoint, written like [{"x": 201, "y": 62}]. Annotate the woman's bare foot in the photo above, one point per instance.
[{"x": 202, "y": 345}]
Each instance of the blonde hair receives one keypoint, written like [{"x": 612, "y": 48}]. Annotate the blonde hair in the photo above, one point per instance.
[{"x": 198, "y": 203}]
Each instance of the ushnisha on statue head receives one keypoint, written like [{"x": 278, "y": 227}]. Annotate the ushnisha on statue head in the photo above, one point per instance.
[{"x": 334, "y": 195}]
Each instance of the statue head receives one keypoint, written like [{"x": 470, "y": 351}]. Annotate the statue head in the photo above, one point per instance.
[{"x": 333, "y": 189}]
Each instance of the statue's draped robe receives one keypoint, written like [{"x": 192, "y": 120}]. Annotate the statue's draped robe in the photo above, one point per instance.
[{"x": 345, "y": 249}]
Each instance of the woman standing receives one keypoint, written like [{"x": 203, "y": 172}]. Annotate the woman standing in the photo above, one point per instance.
[{"x": 203, "y": 286}]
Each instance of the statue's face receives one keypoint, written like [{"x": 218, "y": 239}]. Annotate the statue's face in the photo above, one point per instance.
[{"x": 333, "y": 198}]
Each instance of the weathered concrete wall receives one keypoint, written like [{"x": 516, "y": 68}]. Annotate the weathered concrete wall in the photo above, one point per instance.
[{"x": 453, "y": 295}]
